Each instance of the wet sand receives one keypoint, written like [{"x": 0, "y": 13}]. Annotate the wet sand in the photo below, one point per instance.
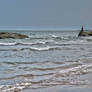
[
  {"x": 61, "y": 89},
  {"x": 67, "y": 88}
]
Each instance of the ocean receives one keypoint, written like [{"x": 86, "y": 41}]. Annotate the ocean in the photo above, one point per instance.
[{"x": 45, "y": 60}]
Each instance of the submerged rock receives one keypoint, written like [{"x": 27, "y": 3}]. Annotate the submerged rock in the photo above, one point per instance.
[
  {"x": 4, "y": 35},
  {"x": 82, "y": 33}
]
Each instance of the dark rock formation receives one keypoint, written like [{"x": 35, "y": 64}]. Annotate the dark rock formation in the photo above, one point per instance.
[
  {"x": 82, "y": 33},
  {"x": 4, "y": 35}
]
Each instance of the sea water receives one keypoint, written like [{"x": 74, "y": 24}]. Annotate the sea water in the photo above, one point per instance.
[{"x": 43, "y": 60}]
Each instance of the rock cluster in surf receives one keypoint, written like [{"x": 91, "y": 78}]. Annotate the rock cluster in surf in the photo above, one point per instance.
[
  {"x": 4, "y": 35},
  {"x": 82, "y": 33}
]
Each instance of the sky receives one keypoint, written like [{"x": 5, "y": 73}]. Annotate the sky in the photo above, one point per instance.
[{"x": 45, "y": 14}]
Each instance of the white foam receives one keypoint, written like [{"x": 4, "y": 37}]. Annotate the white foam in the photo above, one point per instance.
[
  {"x": 44, "y": 48},
  {"x": 23, "y": 43},
  {"x": 7, "y": 43},
  {"x": 78, "y": 69},
  {"x": 11, "y": 88},
  {"x": 54, "y": 36}
]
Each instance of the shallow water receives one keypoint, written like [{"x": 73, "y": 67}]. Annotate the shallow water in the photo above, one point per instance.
[{"x": 44, "y": 60}]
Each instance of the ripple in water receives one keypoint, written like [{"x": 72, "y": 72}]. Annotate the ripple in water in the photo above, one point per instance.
[{"x": 44, "y": 60}]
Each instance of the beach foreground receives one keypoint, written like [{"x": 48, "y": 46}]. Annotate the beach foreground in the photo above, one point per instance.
[{"x": 67, "y": 88}]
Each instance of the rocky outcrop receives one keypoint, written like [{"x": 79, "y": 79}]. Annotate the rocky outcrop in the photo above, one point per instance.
[
  {"x": 82, "y": 33},
  {"x": 4, "y": 35},
  {"x": 85, "y": 34}
]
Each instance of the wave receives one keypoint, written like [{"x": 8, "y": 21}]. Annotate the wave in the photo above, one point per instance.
[
  {"x": 21, "y": 43},
  {"x": 57, "y": 37},
  {"x": 45, "y": 43},
  {"x": 54, "y": 36},
  {"x": 2, "y": 44},
  {"x": 26, "y": 43},
  {"x": 62, "y": 76},
  {"x": 54, "y": 80},
  {"x": 14, "y": 88},
  {"x": 50, "y": 42},
  {"x": 38, "y": 43},
  {"x": 39, "y": 84},
  {"x": 31, "y": 76},
  {"x": 33, "y": 62},
  {"x": 49, "y": 48},
  {"x": 78, "y": 70},
  {"x": 45, "y": 48}
]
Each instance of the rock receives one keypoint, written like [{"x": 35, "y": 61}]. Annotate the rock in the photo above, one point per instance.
[
  {"x": 4, "y": 35},
  {"x": 86, "y": 34},
  {"x": 82, "y": 33},
  {"x": 17, "y": 90}
]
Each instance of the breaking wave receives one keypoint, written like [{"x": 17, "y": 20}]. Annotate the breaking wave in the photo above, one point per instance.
[{"x": 33, "y": 49}]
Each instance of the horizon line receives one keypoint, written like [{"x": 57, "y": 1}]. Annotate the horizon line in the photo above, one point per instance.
[{"x": 44, "y": 29}]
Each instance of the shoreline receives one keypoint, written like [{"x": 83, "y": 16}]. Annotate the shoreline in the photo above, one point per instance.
[{"x": 67, "y": 88}]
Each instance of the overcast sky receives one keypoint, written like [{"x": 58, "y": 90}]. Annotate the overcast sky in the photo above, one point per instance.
[{"x": 45, "y": 14}]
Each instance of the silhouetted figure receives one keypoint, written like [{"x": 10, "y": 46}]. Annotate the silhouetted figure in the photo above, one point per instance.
[{"x": 82, "y": 30}]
